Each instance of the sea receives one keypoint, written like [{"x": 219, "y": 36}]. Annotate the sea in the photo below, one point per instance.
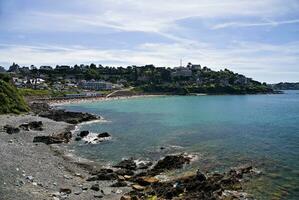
[{"x": 220, "y": 131}]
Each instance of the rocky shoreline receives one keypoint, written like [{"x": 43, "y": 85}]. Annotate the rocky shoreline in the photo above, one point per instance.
[{"x": 38, "y": 165}]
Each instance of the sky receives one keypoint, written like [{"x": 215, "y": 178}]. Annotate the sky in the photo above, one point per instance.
[{"x": 257, "y": 38}]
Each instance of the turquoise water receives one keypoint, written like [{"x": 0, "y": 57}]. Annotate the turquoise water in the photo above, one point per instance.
[{"x": 225, "y": 131}]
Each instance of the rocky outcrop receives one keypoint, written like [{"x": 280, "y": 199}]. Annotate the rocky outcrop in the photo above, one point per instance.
[
  {"x": 83, "y": 134},
  {"x": 169, "y": 162},
  {"x": 11, "y": 130},
  {"x": 44, "y": 110},
  {"x": 68, "y": 116},
  {"x": 127, "y": 164},
  {"x": 35, "y": 125},
  {"x": 54, "y": 139},
  {"x": 199, "y": 186},
  {"x": 104, "y": 135}
]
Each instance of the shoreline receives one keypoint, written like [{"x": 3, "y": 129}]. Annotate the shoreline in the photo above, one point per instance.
[
  {"x": 55, "y": 166},
  {"x": 57, "y": 103}
]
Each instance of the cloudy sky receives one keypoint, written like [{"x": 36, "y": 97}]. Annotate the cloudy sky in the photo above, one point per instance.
[{"x": 258, "y": 38}]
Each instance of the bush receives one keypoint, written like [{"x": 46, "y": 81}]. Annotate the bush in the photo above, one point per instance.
[{"x": 11, "y": 100}]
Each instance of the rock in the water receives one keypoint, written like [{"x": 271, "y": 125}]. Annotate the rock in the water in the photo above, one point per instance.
[
  {"x": 11, "y": 130},
  {"x": 78, "y": 138},
  {"x": 104, "y": 135},
  {"x": 54, "y": 139},
  {"x": 127, "y": 164},
  {"x": 65, "y": 190},
  {"x": 95, "y": 187},
  {"x": 83, "y": 134},
  {"x": 169, "y": 163}
]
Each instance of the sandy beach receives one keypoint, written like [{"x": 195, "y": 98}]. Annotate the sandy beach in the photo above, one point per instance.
[{"x": 95, "y": 99}]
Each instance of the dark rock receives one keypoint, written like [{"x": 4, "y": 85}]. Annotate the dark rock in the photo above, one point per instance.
[
  {"x": 169, "y": 163},
  {"x": 101, "y": 171},
  {"x": 95, "y": 187},
  {"x": 145, "y": 165},
  {"x": 200, "y": 176},
  {"x": 54, "y": 139},
  {"x": 103, "y": 174},
  {"x": 65, "y": 190},
  {"x": 78, "y": 138},
  {"x": 127, "y": 164},
  {"x": 92, "y": 178},
  {"x": 11, "y": 130},
  {"x": 103, "y": 135},
  {"x": 68, "y": 116},
  {"x": 36, "y": 125},
  {"x": 25, "y": 127},
  {"x": 197, "y": 186},
  {"x": 99, "y": 196},
  {"x": 123, "y": 172},
  {"x": 106, "y": 177},
  {"x": 83, "y": 134},
  {"x": 119, "y": 184}
]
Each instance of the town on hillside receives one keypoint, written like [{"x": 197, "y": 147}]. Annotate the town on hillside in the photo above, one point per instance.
[{"x": 96, "y": 80}]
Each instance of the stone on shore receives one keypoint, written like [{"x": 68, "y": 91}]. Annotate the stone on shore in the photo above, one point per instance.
[
  {"x": 11, "y": 130},
  {"x": 54, "y": 139},
  {"x": 65, "y": 190},
  {"x": 35, "y": 125},
  {"x": 95, "y": 187},
  {"x": 127, "y": 164}
]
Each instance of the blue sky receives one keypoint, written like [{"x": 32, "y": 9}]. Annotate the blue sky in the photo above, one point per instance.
[{"x": 257, "y": 38}]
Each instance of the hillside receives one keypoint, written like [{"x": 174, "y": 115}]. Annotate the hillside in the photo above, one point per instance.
[
  {"x": 11, "y": 100},
  {"x": 286, "y": 86}
]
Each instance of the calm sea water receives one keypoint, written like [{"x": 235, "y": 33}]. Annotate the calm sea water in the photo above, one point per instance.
[{"x": 225, "y": 131}]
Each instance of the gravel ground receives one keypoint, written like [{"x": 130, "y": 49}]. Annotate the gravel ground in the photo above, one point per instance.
[{"x": 38, "y": 171}]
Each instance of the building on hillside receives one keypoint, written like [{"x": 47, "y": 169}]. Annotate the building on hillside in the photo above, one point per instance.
[
  {"x": 46, "y": 68},
  {"x": 181, "y": 72},
  {"x": 96, "y": 85}
]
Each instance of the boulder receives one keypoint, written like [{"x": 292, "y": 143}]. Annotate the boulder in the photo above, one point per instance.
[
  {"x": 95, "y": 187},
  {"x": 127, "y": 164},
  {"x": 54, "y": 139},
  {"x": 119, "y": 184},
  {"x": 65, "y": 190},
  {"x": 11, "y": 130},
  {"x": 145, "y": 181},
  {"x": 36, "y": 125},
  {"x": 83, "y": 134},
  {"x": 170, "y": 162},
  {"x": 123, "y": 172},
  {"x": 138, "y": 187},
  {"x": 104, "y": 135},
  {"x": 68, "y": 116}
]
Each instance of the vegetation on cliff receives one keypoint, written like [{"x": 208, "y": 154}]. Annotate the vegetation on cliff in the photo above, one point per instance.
[{"x": 11, "y": 100}]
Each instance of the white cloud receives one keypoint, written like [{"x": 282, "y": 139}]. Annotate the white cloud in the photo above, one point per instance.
[
  {"x": 246, "y": 24},
  {"x": 144, "y": 15}
]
